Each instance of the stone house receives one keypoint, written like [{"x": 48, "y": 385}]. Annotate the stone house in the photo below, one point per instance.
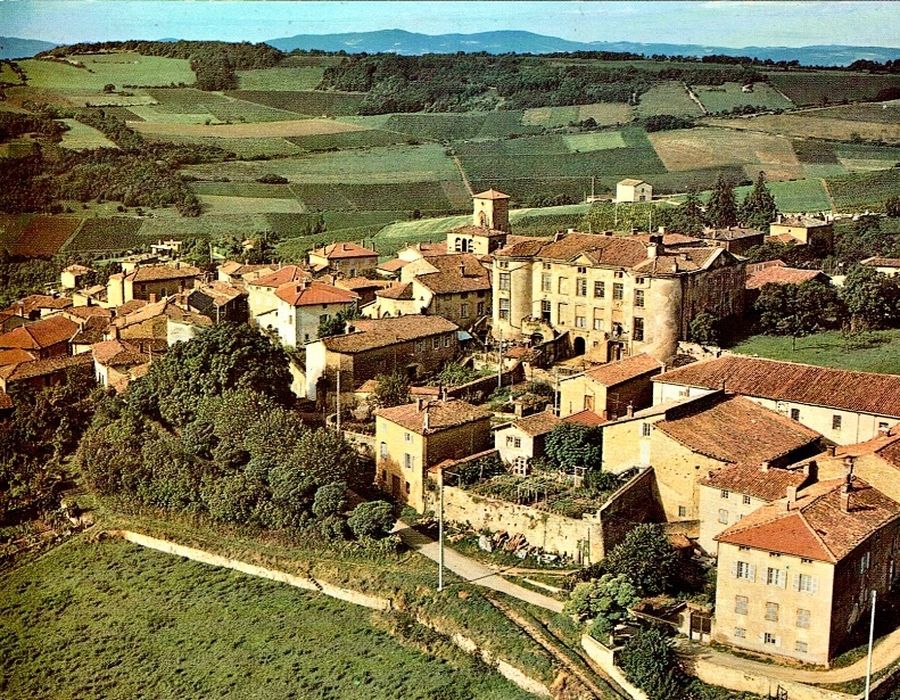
[
  {"x": 413, "y": 345},
  {"x": 72, "y": 277},
  {"x": 795, "y": 577},
  {"x": 261, "y": 298},
  {"x": 117, "y": 362},
  {"x": 413, "y": 437},
  {"x": 521, "y": 441},
  {"x": 38, "y": 306},
  {"x": 345, "y": 259},
  {"x": 844, "y": 406},
  {"x": 151, "y": 283},
  {"x": 302, "y": 306},
  {"x": 220, "y": 301},
  {"x": 608, "y": 390},
  {"x": 804, "y": 230},
  {"x": 886, "y": 266},
  {"x": 412, "y": 252},
  {"x": 633, "y": 190},
  {"x": 613, "y": 295},
  {"x": 37, "y": 374},
  {"x": 734, "y": 239},
  {"x": 42, "y": 339},
  {"x": 232, "y": 272},
  {"x": 776, "y": 272}
]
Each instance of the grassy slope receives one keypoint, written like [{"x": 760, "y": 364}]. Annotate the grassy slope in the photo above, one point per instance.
[
  {"x": 118, "y": 69},
  {"x": 112, "y": 620},
  {"x": 873, "y": 352}
]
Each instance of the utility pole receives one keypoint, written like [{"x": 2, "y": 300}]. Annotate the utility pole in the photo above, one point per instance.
[
  {"x": 556, "y": 391},
  {"x": 441, "y": 530},
  {"x": 339, "y": 397},
  {"x": 500, "y": 360},
  {"x": 871, "y": 640}
]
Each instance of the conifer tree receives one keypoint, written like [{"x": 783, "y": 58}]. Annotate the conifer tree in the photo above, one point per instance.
[
  {"x": 721, "y": 212},
  {"x": 759, "y": 209}
]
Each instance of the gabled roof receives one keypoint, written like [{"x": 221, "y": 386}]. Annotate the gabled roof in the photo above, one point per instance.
[
  {"x": 39, "y": 335},
  {"x": 777, "y": 274},
  {"x": 392, "y": 265},
  {"x": 314, "y": 293},
  {"x": 396, "y": 291},
  {"x": 537, "y": 423},
  {"x": 631, "y": 182},
  {"x": 354, "y": 283},
  {"x": 221, "y": 293},
  {"x": 587, "y": 418},
  {"x": 39, "y": 368},
  {"x": 370, "y": 334},
  {"x": 15, "y": 356},
  {"x": 157, "y": 273},
  {"x": 736, "y": 430},
  {"x": 118, "y": 353},
  {"x": 765, "y": 484},
  {"x": 732, "y": 233},
  {"x": 456, "y": 274},
  {"x": 865, "y": 392},
  {"x": 800, "y": 221},
  {"x": 881, "y": 262},
  {"x": 815, "y": 526},
  {"x": 34, "y": 302},
  {"x": 614, "y": 373},
  {"x": 288, "y": 273},
  {"x": 490, "y": 194},
  {"x": 472, "y": 230},
  {"x": 87, "y": 312},
  {"x": 338, "y": 251},
  {"x": 77, "y": 269},
  {"x": 441, "y": 415}
]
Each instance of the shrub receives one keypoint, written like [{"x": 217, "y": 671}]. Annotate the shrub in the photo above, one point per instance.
[
  {"x": 373, "y": 519},
  {"x": 649, "y": 661},
  {"x": 330, "y": 500},
  {"x": 646, "y": 557},
  {"x": 606, "y": 599}
]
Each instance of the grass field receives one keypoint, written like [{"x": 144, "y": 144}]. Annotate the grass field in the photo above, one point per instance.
[
  {"x": 100, "y": 69},
  {"x": 817, "y": 87},
  {"x": 690, "y": 149},
  {"x": 8, "y": 75},
  {"x": 249, "y": 148},
  {"x": 368, "y": 138},
  {"x": 266, "y": 129},
  {"x": 668, "y": 98},
  {"x": 81, "y": 137},
  {"x": 725, "y": 97},
  {"x": 242, "y": 189},
  {"x": 859, "y": 191},
  {"x": 604, "y": 113},
  {"x": 796, "y": 195},
  {"x": 332, "y": 104},
  {"x": 877, "y": 351},
  {"x": 112, "y": 620},
  {"x": 856, "y": 157},
  {"x": 885, "y": 112},
  {"x": 223, "y": 108},
  {"x": 427, "y": 196},
  {"x": 217, "y": 204},
  {"x": 108, "y": 233},
  {"x": 293, "y": 78},
  {"x": 808, "y": 125}
]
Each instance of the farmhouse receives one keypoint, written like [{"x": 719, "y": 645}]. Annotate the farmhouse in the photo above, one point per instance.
[
  {"x": 72, "y": 277},
  {"x": 804, "y": 230},
  {"x": 43, "y": 339},
  {"x": 886, "y": 266},
  {"x": 846, "y": 407},
  {"x": 37, "y": 374},
  {"x": 413, "y": 437},
  {"x": 37, "y": 306},
  {"x": 609, "y": 390},
  {"x": 220, "y": 301},
  {"x": 117, "y": 362},
  {"x": 521, "y": 441},
  {"x": 347, "y": 259},
  {"x": 632, "y": 190},
  {"x": 412, "y": 252},
  {"x": 795, "y": 576},
  {"x": 232, "y": 272},
  {"x": 619, "y": 295},
  {"x": 262, "y": 299},
  {"x": 151, "y": 283},
  {"x": 303, "y": 305}
]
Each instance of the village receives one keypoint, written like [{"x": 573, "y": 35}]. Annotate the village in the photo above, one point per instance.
[{"x": 546, "y": 396}]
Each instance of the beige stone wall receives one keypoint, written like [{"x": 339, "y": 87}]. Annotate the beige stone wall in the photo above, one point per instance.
[
  {"x": 678, "y": 470},
  {"x": 625, "y": 445},
  {"x": 505, "y": 444},
  {"x": 579, "y": 392},
  {"x": 605, "y": 658},
  {"x": 758, "y": 592},
  {"x": 735, "y": 506},
  {"x": 708, "y": 671},
  {"x": 519, "y": 296}
]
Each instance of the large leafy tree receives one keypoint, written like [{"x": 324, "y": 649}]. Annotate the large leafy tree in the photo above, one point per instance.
[
  {"x": 569, "y": 445},
  {"x": 606, "y": 601},
  {"x": 721, "y": 210},
  {"x": 646, "y": 557},
  {"x": 872, "y": 298},
  {"x": 759, "y": 209},
  {"x": 392, "y": 390},
  {"x": 689, "y": 217},
  {"x": 798, "y": 310},
  {"x": 650, "y": 662}
]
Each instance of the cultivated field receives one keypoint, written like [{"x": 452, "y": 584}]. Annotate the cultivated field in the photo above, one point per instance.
[
  {"x": 818, "y": 88},
  {"x": 97, "y": 70},
  {"x": 603, "y": 113},
  {"x": 867, "y": 157},
  {"x": 249, "y": 148},
  {"x": 82, "y": 137},
  {"x": 293, "y": 78},
  {"x": 113, "y": 620},
  {"x": 269, "y": 129},
  {"x": 878, "y": 112},
  {"x": 668, "y": 98},
  {"x": 117, "y": 233},
  {"x": 215, "y": 204},
  {"x": 36, "y": 234},
  {"x": 809, "y": 125},
  {"x": 332, "y": 104},
  {"x": 859, "y": 191},
  {"x": 223, "y": 108},
  {"x": 796, "y": 195},
  {"x": 725, "y": 97}
]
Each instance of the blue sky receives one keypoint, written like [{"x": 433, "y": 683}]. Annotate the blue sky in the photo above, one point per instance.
[{"x": 720, "y": 23}]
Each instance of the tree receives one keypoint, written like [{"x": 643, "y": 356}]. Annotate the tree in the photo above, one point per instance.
[
  {"x": 335, "y": 325},
  {"x": 392, "y": 390},
  {"x": 704, "y": 329},
  {"x": 872, "y": 298},
  {"x": 109, "y": 87},
  {"x": 373, "y": 519},
  {"x": 569, "y": 445},
  {"x": 798, "y": 309},
  {"x": 758, "y": 209},
  {"x": 721, "y": 210},
  {"x": 330, "y": 500},
  {"x": 606, "y": 600},
  {"x": 689, "y": 218},
  {"x": 646, "y": 557},
  {"x": 650, "y": 662},
  {"x": 892, "y": 206}
]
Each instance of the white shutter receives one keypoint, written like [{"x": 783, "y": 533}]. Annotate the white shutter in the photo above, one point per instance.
[
  {"x": 753, "y": 572},
  {"x": 815, "y": 584},
  {"x": 796, "y": 582},
  {"x": 784, "y": 578}
]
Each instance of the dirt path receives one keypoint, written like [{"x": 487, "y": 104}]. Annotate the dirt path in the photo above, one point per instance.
[
  {"x": 463, "y": 173},
  {"x": 471, "y": 570}
]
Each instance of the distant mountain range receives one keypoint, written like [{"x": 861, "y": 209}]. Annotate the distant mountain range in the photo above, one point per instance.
[
  {"x": 12, "y": 47},
  {"x": 413, "y": 44}
]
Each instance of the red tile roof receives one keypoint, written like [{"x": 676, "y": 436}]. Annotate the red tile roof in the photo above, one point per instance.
[
  {"x": 5, "y": 401},
  {"x": 613, "y": 373},
  {"x": 816, "y": 526},
  {"x": 537, "y": 423},
  {"x": 15, "y": 356},
  {"x": 882, "y": 262},
  {"x": 472, "y": 230},
  {"x": 800, "y": 221},
  {"x": 154, "y": 273},
  {"x": 490, "y": 194},
  {"x": 314, "y": 293},
  {"x": 732, "y": 233},
  {"x": 288, "y": 273},
  {"x": 776, "y": 274},
  {"x": 863, "y": 392},
  {"x": 441, "y": 415},
  {"x": 383, "y": 332},
  {"x": 39, "y": 368},
  {"x": 456, "y": 274},
  {"x": 85, "y": 312},
  {"x": 34, "y": 302},
  {"x": 768, "y": 485},
  {"x": 737, "y": 430},
  {"x": 393, "y": 265},
  {"x": 338, "y": 251},
  {"x": 587, "y": 418},
  {"x": 396, "y": 291},
  {"x": 39, "y": 335}
]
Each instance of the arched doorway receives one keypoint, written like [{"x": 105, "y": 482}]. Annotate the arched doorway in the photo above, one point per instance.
[{"x": 578, "y": 345}]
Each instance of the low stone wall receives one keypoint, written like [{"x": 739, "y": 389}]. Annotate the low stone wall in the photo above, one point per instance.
[
  {"x": 487, "y": 385},
  {"x": 734, "y": 679},
  {"x": 605, "y": 658}
]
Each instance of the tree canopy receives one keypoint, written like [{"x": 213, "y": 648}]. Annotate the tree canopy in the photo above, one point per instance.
[
  {"x": 721, "y": 210},
  {"x": 758, "y": 209},
  {"x": 646, "y": 557},
  {"x": 872, "y": 298},
  {"x": 569, "y": 445}
]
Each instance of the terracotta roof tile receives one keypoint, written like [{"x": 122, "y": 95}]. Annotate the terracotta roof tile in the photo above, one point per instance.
[
  {"x": 522, "y": 246},
  {"x": 630, "y": 181},
  {"x": 441, "y": 415},
  {"x": 537, "y": 423},
  {"x": 816, "y": 526},
  {"x": 40, "y": 334},
  {"x": 288, "y": 273},
  {"x": 38, "y": 368},
  {"x": 882, "y": 262},
  {"x": 456, "y": 274},
  {"x": 865, "y": 392},
  {"x": 393, "y": 265},
  {"x": 473, "y": 230},
  {"x": 314, "y": 293},
  {"x": 15, "y": 356},
  {"x": 153, "y": 273},
  {"x": 800, "y": 220},
  {"x": 768, "y": 485},
  {"x": 5, "y": 401},
  {"x": 587, "y": 418},
  {"x": 221, "y": 293},
  {"x": 35, "y": 302},
  {"x": 86, "y": 312},
  {"x": 339, "y": 251},
  {"x": 428, "y": 249},
  {"x": 396, "y": 291},
  {"x": 130, "y": 307},
  {"x": 776, "y": 274},
  {"x": 383, "y": 332},
  {"x": 733, "y": 233},
  {"x": 613, "y": 373},
  {"x": 490, "y": 194},
  {"x": 737, "y": 430}
]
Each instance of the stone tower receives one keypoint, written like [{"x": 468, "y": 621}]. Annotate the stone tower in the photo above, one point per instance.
[{"x": 490, "y": 210}]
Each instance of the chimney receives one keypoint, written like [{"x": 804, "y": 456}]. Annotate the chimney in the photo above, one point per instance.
[
  {"x": 765, "y": 466},
  {"x": 419, "y": 402},
  {"x": 652, "y": 251},
  {"x": 462, "y": 269},
  {"x": 114, "y": 331},
  {"x": 557, "y": 236},
  {"x": 846, "y": 489},
  {"x": 662, "y": 230},
  {"x": 425, "y": 421},
  {"x": 830, "y": 450},
  {"x": 791, "y": 493},
  {"x": 811, "y": 470},
  {"x": 152, "y": 298}
]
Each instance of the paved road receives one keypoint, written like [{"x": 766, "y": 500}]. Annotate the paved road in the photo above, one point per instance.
[
  {"x": 885, "y": 653},
  {"x": 471, "y": 570}
]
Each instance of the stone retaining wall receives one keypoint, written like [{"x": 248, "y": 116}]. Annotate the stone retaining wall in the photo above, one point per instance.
[{"x": 605, "y": 658}]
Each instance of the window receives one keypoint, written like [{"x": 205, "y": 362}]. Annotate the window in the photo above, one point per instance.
[
  {"x": 882, "y": 426},
  {"x": 545, "y": 310},
  {"x": 618, "y": 274},
  {"x": 724, "y": 493},
  {"x": 561, "y": 313},
  {"x": 504, "y": 264},
  {"x": 563, "y": 285},
  {"x": 769, "y": 638},
  {"x": 598, "y": 324},
  {"x": 408, "y": 460},
  {"x": 436, "y": 340},
  {"x": 723, "y": 516},
  {"x": 509, "y": 440},
  {"x": 806, "y": 583},
  {"x": 745, "y": 570},
  {"x": 835, "y": 422},
  {"x": 580, "y": 322},
  {"x": 383, "y": 450},
  {"x": 806, "y": 561},
  {"x": 406, "y": 485},
  {"x": 323, "y": 318},
  {"x": 480, "y": 308},
  {"x": 740, "y": 633},
  {"x": 546, "y": 266},
  {"x": 775, "y": 577},
  {"x": 463, "y": 311},
  {"x": 618, "y": 292},
  {"x": 802, "y": 647},
  {"x": 803, "y": 618},
  {"x": 740, "y": 604},
  {"x": 682, "y": 512},
  {"x": 546, "y": 282},
  {"x": 599, "y": 290},
  {"x": 638, "y": 297},
  {"x": 645, "y": 430},
  {"x": 795, "y": 414},
  {"x": 774, "y": 555},
  {"x": 503, "y": 309},
  {"x": 582, "y": 270},
  {"x": 520, "y": 466},
  {"x": 638, "y": 329},
  {"x": 639, "y": 280},
  {"x": 581, "y": 287},
  {"x": 407, "y": 437},
  {"x": 517, "y": 442},
  {"x": 747, "y": 500},
  {"x": 504, "y": 281},
  {"x": 420, "y": 346},
  {"x": 447, "y": 341}
]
